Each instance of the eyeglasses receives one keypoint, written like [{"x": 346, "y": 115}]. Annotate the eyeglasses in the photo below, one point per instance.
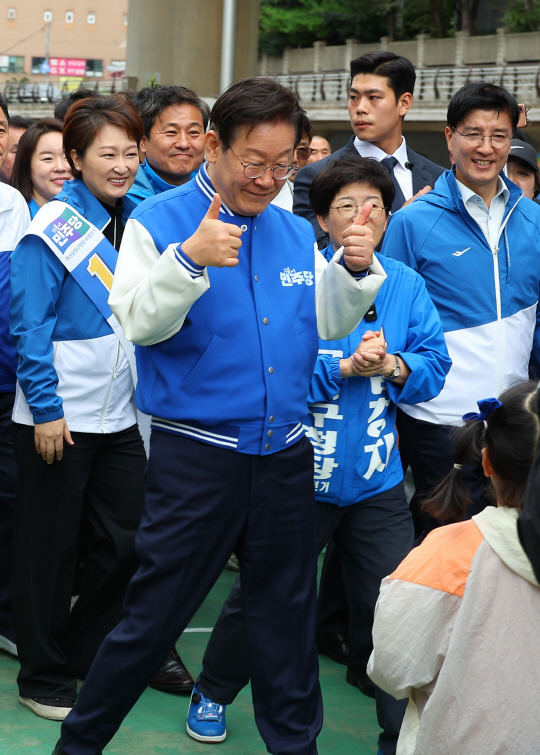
[
  {"x": 348, "y": 210},
  {"x": 256, "y": 170},
  {"x": 475, "y": 139},
  {"x": 304, "y": 152}
]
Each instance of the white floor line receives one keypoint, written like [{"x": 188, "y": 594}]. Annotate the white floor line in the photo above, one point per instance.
[{"x": 198, "y": 629}]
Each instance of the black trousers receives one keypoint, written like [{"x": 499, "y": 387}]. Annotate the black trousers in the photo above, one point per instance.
[
  {"x": 8, "y": 484},
  {"x": 429, "y": 451},
  {"x": 74, "y": 518},
  {"x": 202, "y": 503},
  {"x": 373, "y": 537}
]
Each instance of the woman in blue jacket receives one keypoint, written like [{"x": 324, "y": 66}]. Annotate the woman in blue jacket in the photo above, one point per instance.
[
  {"x": 41, "y": 168},
  {"x": 79, "y": 451}
]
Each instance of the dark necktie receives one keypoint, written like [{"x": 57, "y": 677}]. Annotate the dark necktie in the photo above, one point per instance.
[{"x": 399, "y": 200}]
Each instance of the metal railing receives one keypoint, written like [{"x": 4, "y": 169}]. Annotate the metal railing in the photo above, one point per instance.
[
  {"x": 433, "y": 85},
  {"x": 42, "y": 92}
]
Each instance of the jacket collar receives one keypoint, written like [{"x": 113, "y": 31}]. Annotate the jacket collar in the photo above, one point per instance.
[{"x": 76, "y": 194}]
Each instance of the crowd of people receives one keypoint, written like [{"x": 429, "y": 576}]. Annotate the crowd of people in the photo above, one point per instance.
[{"x": 218, "y": 336}]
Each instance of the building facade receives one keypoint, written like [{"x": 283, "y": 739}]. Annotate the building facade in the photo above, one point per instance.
[{"x": 63, "y": 42}]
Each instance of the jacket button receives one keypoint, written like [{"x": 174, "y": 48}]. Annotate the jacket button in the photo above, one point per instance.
[
  {"x": 243, "y": 227},
  {"x": 270, "y": 433},
  {"x": 271, "y": 370},
  {"x": 265, "y": 320},
  {"x": 271, "y": 419},
  {"x": 267, "y": 447}
]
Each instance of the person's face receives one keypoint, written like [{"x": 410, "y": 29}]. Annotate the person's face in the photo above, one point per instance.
[
  {"x": 479, "y": 166},
  {"x": 376, "y": 116},
  {"x": 522, "y": 175},
  {"x": 301, "y": 155},
  {"x": 4, "y": 137},
  {"x": 175, "y": 147},
  {"x": 320, "y": 147},
  {"x": 48, "y": 167},
  {"x": 109, "y": 165},
  {"x": 267, "y": 144},
  {"x": 348, "y": 197},
  {"x": 15, "y": 133}
]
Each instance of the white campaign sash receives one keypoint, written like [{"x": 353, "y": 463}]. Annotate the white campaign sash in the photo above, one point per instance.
[{"x": 87, "y": 255}]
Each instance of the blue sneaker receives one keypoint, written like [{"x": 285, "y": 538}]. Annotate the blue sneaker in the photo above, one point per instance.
[{"x": 206, "y": 720}]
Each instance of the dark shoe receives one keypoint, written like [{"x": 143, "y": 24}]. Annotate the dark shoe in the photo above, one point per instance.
[
  {"x": 335, "y": 646},
  {"x": 58, "y": 749},
  {"x": 361, "y": 680},
  {"x": 173, "y": 676}
]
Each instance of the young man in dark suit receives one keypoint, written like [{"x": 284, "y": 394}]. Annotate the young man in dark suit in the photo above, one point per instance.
[{"x": 380, "y": 95}]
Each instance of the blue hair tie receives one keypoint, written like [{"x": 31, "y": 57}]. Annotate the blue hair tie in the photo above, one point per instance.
[{"x": 486, "y": 406}]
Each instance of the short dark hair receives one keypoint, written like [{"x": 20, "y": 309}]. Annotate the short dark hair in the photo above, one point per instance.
[
  {"x": 86, "y": 118},
  {"x": 21, "y": 177},
  {"x": 348, "y": 170},
  {"x": 307, "y": 129},
  {"x": 398, "y": 70},
  {"x": 20, "y": 121},
  {"x": 511, "y": 435},
  {"x": 65, "y": 102},
  {"x": 250, "y": 102},
  {"x": 4, "y": 107},
  {"x": 481, "y": 95},
  {"x": 152, "y": 100}
]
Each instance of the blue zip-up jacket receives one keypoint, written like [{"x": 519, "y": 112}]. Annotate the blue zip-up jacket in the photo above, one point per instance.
[
  {"x": 147, "y": 184},
  {"x": 352, "y": 421},
  {"x": 70, "y": 362},
  {"x": 14, "y": 219},
  {"x": 487, "y": 301},
  {"x": 225, "y": 355}
]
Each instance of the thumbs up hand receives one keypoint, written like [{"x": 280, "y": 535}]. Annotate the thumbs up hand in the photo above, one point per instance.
[
  {"x": 214, "y": 243},
  {"x": 358, "y": 241}
]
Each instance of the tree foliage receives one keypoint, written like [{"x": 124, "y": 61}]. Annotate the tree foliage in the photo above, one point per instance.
[
  {"x": 299, "y": 23},
  {"x": 522, "y": 15}
]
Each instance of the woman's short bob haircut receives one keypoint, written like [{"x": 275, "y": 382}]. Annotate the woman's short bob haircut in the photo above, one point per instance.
[
  {"x": 85, "y": 119},
  {"x": 250, "y": 102},
  {"x": 21, "y": 178},
  {"x": 349, "y": 170}
]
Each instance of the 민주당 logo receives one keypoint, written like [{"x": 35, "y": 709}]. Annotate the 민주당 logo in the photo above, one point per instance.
[{"x": 66, "y": 229}]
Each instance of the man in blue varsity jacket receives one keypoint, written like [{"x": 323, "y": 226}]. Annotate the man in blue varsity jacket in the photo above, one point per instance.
[
  {"x": 380, "y": 95},
  {"x": 217, "y": 288}
]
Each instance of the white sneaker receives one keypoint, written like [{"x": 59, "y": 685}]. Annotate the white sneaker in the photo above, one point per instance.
[{"x": 53, "y": 708}]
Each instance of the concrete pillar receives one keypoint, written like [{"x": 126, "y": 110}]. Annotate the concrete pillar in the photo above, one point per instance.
[
  {"x": 420, "y": 50},
  {"x": 461, "y": 37},
  {"x": 179, "y": 42},
  {"x": 349, "y": 52},
  {"x": 501, "y": 47},
  {"x": 384, "y": 43},
  {"x": 285, "y": 61},
  {"x": 317, "y": 47}
]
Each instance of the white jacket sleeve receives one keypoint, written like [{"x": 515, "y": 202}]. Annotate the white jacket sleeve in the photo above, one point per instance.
[
  {"x": 151, "y": 292},
  {"x": 341, "y": 299},
  {"x": 411, "y": 632}
]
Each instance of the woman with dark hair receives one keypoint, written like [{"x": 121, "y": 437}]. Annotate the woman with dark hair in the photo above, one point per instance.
[
  {"x": 79, "y": 451},
  {"x": 40, "y": 167},
  {"x": 456, "y": 624}
]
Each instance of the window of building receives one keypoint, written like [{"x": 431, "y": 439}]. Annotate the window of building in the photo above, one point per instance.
[
  {"x": 47, "y": 16},
  {"x": 36, "y": 64},
  {"x": 69, "y": 17},
  {"x": 94, "y": 68},
  {"x": 11, "y": 14},
  {"x": 91, "y": 18},
  {"x": 11, "y": 63}
]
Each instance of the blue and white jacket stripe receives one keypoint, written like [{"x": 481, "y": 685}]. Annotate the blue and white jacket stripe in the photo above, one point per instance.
[{"x": 487, "y": 300}]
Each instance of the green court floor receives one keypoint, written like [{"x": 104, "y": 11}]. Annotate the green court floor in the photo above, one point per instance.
[{"x": 156, "y": 725}]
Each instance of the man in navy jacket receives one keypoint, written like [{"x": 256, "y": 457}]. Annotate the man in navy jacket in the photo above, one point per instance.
[{"x": 380, "y": 95}]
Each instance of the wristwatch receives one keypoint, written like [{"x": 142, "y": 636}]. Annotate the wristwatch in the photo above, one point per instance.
[{"x": 395, "y": 372}]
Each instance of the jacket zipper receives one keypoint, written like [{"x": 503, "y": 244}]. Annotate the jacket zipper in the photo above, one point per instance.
[{"x": 111, "y": 384}]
